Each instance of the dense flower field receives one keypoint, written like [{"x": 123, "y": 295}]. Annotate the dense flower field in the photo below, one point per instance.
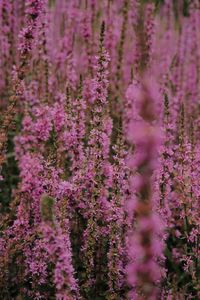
[{"x": 100, "y": 149}]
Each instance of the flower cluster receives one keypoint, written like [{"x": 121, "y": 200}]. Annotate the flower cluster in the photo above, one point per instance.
[{"x": 99, "y": 149}]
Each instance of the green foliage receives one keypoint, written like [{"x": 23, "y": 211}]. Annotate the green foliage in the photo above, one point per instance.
[
  {"x": 47, "y": 205},
  {"x": 52, "y": 3},
  {"x": 10, "y": 171},
  {"x": 176, "y": 6}
]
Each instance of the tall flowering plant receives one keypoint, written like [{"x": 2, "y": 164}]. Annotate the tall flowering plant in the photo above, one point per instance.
[
  {"x": 99, "y": 149},
  {"x": 145, "y": 247}
]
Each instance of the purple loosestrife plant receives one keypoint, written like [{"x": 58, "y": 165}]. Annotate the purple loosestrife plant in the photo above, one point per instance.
[
  {"x": 145, "y": 249},
  {"x": 85, "y": 177}
]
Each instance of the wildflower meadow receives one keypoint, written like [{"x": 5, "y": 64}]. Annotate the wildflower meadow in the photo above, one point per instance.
[{"x": 99, "y": 149}]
